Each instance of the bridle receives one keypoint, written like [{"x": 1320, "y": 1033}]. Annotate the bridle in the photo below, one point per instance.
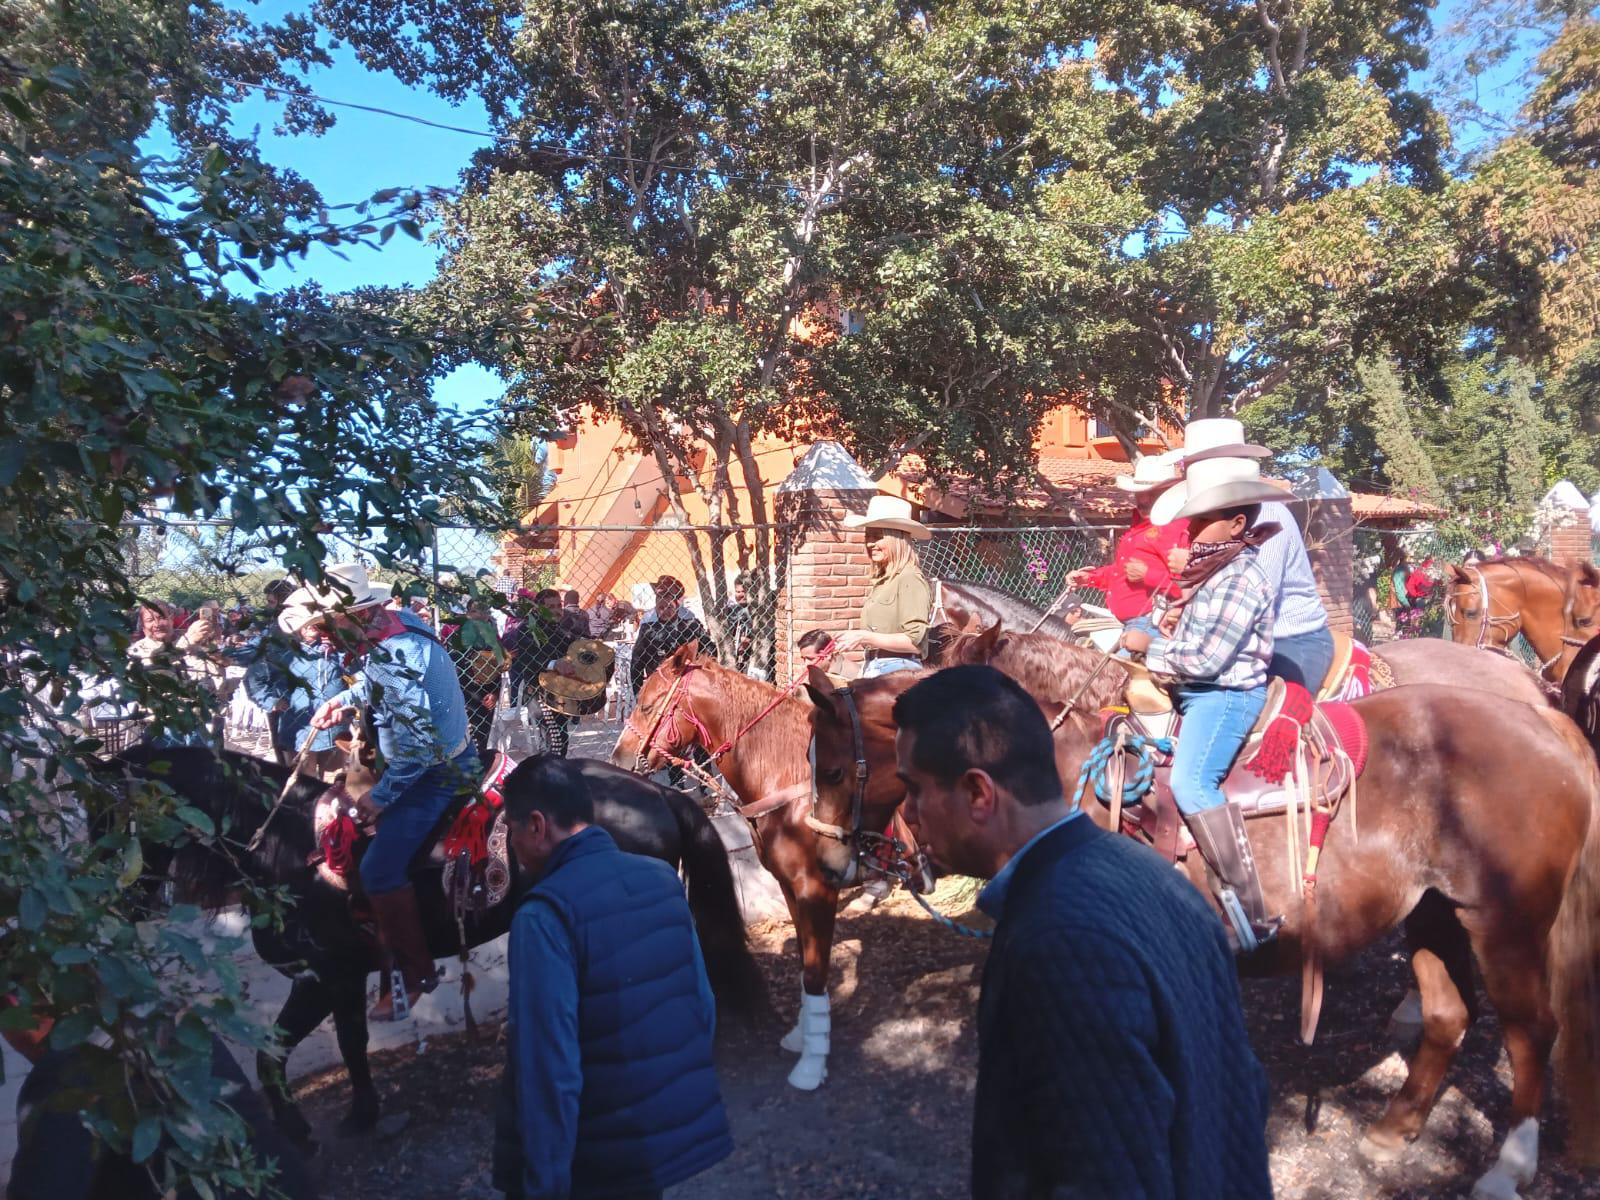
[
  {"x": 1489, "y": 620},
  {"x": 675, "y": 707}
]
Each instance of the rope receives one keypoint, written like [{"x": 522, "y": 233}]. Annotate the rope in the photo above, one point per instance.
[
  {"x": 953, "y": 926},
  {"x": 1097, "y": 764}
]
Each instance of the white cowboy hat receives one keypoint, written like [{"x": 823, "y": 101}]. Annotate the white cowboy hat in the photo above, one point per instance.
[
  {"x": 346, "y": 589},
  {"x": 889, "y": 512},
  {"x": 1151, "y": 471},
  {"x": 1220, "y": 470}
]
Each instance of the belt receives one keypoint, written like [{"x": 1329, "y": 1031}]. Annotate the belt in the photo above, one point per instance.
[{"x": 872, "y": 655}]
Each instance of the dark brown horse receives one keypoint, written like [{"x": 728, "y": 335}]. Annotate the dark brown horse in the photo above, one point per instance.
[
  {"x": 1555, "y": 608},
  {"x": 758, "y": 737},
  {"x": 1436, "y": 852}
]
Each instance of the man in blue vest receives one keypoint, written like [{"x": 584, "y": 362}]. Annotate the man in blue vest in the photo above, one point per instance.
[{"x": 610, "y": 1088}]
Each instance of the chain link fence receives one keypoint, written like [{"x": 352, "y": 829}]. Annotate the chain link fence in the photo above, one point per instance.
[
  {"x": 1029, "y": 564},
  {"x": 1398, "y": 577}
]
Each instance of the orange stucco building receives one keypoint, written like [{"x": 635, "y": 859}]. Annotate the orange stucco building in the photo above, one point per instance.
[{"x": 607, "y": 512}]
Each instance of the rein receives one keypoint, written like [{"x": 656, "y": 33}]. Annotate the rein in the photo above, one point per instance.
[{"x": 676, "y": 705}]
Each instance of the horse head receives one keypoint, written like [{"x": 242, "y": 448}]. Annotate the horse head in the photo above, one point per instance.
[
  {"x": 1582, "y": 611},
  {"x": 1477, "y": 617},
  {"x": 855, "y": 789},
  {"x": 654, "y": 732}
]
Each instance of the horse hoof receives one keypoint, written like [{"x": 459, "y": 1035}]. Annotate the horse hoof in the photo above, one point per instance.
[
  {"x": 357, "y": 1121},
  {"x": 794, "y": 1041},
  {"x": 809, "y": 1073},
  {"x": 1376, "y": 1151}
]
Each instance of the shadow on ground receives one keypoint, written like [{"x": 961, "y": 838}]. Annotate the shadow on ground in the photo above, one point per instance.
[{"x": 893, "y": 1119}]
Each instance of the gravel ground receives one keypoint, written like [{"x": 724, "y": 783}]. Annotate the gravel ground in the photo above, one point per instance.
[{"x": 893, "y": 1118}]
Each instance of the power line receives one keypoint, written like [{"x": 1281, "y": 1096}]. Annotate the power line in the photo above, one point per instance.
[{"x": 557, "y": 148}]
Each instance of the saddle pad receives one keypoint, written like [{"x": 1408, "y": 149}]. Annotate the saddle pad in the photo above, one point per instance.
[{"x": 1351, "y": 731}]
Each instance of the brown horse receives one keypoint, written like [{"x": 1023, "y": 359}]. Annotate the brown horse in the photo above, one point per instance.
[
  {"x": 1555, "y": 608},
  {"x": 1436, "y": 852},
  {"x": 758, "y": 737}
]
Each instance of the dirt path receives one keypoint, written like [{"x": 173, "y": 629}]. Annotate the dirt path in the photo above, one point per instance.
[{"x": 893, "y": 1119}]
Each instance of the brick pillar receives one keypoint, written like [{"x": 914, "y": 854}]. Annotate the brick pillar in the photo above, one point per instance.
[
  {"x": 1330, "y": 544},
  {"x": 828, "y": 571},
  {"x": 1570, "y": 538}
]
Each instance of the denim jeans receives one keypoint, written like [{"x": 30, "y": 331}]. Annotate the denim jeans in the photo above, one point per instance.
[
  {"x": 1216, "y": 722},
  {"x": 888, "y": 666},
  {"x": 1303, "y": 658},
  {"x": 407, "y": 820},
  {"x": 1144, "y": 622}
]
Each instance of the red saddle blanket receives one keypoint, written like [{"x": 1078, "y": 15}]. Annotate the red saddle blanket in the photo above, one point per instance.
[{"x": 467, "y": 831}]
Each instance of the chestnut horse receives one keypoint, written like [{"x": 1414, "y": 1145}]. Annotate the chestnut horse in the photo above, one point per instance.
[
  {"x": 757, "y": 736},
  {"x": 1555, "y": 608},
  {"x": 1437, "y": 852}
]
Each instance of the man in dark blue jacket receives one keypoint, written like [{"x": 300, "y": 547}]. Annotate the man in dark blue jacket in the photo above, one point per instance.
[
  {"x": 1112, "y": 1055},
  {"x": 611, "y": 1093}
]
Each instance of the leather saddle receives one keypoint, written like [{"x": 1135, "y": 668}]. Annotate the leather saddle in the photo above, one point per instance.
[
  {"x": 472, "y": 823},
  {"x": 1298, "y": 754}
]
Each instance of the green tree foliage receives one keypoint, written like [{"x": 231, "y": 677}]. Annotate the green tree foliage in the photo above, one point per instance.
[{"x": 132, "y": 377}]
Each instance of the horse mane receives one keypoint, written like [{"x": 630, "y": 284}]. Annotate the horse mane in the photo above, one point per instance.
[
  {"x": 1003, "y": 607},
  {"x": 1050, "y": 669},
  {"x": 767, "y": 750},
  {"x": 1553, "y": 571},
  {"x": 236, "y": 791}
]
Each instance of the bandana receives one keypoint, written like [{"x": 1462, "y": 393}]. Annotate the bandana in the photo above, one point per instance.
[{"x": 1206, "y": 559}]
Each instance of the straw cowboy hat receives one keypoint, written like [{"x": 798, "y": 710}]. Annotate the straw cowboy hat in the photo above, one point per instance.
[
  {"x": 1220, "y": 470},
  {"x": 889, "y": 512},
  {"x": 1151, "y": 471},
  {"x": 346, "y": 589}
]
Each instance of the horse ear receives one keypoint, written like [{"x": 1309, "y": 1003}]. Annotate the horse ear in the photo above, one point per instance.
[
  {"x": 1586, "y": 575},
  {"x": 987, "y": 644},
  {"x": 1458, "y": 573},
  {"x": 685, "y": 654},
  {"x": 818, "y": 690}
]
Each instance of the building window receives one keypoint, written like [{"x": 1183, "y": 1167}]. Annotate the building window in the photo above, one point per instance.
[{"x": 1103, "y": 429}]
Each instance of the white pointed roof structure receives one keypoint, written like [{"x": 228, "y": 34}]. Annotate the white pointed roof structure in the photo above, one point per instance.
[{"x": 828, "y": 467}]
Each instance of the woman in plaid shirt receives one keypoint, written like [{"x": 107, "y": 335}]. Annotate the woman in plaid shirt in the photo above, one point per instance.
[{"x": 1216, "y": 640}]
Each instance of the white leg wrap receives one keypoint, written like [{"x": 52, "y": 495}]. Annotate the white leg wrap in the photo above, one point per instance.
[
  {"x": 816, "y": 1027},
  {"x": 1517, "y": 1165},
  {"x": 794, "y": 1040}
]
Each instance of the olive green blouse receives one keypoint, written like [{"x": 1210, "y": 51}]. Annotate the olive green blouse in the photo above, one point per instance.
[{"x": 900, "y": 604}]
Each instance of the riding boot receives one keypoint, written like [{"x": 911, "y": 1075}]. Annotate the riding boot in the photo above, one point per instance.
[
  {"x": 1219, "y": 833},
  {"x": 400, "y": 926}
]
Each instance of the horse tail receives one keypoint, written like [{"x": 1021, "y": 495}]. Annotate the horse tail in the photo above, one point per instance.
[
  {"x": 714, "y": 901},
  {"x": 1575, "y": 972}
]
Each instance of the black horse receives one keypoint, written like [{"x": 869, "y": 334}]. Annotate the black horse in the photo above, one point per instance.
[{"x": 323, "y": 950}]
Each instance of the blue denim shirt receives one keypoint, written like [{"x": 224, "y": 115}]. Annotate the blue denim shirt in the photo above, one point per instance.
[
  {"x": 302, "y": 675},
  {"x": 992, "y": 899},
  {"x": 421, "y": 715}
]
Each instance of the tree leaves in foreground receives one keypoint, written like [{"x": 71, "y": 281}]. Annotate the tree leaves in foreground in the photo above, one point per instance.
[{"x": 129, "y": 371}]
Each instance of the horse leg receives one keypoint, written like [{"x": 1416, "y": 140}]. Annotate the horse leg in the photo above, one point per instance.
[
  {"x": 1432, "y": 918},
  {"x": 1442, "y": 963},
  {"x": 794, "y": 1040},
  {"x": 310, "y": 1001},
  {"x": 1518, "y": 987},
  {"x": 350, "y": 1026},
  {"x": 816, "y": 905}
]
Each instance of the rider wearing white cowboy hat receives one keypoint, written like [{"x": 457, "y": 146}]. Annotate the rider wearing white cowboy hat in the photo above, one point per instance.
[
  {"x": 1139, "y": 572},
  {"x": 1214, "y": 453},
  {"x": 408, "y": 679},
  {"x": 894, "y": 620},
  {"x": 1216, "y": 640}
]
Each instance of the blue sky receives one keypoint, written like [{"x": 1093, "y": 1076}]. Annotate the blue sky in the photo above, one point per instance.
[{"x": 365, "y": 152}]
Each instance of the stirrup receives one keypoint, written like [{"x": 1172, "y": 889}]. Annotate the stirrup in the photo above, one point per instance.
[{"x": 1248, "y": 937}]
